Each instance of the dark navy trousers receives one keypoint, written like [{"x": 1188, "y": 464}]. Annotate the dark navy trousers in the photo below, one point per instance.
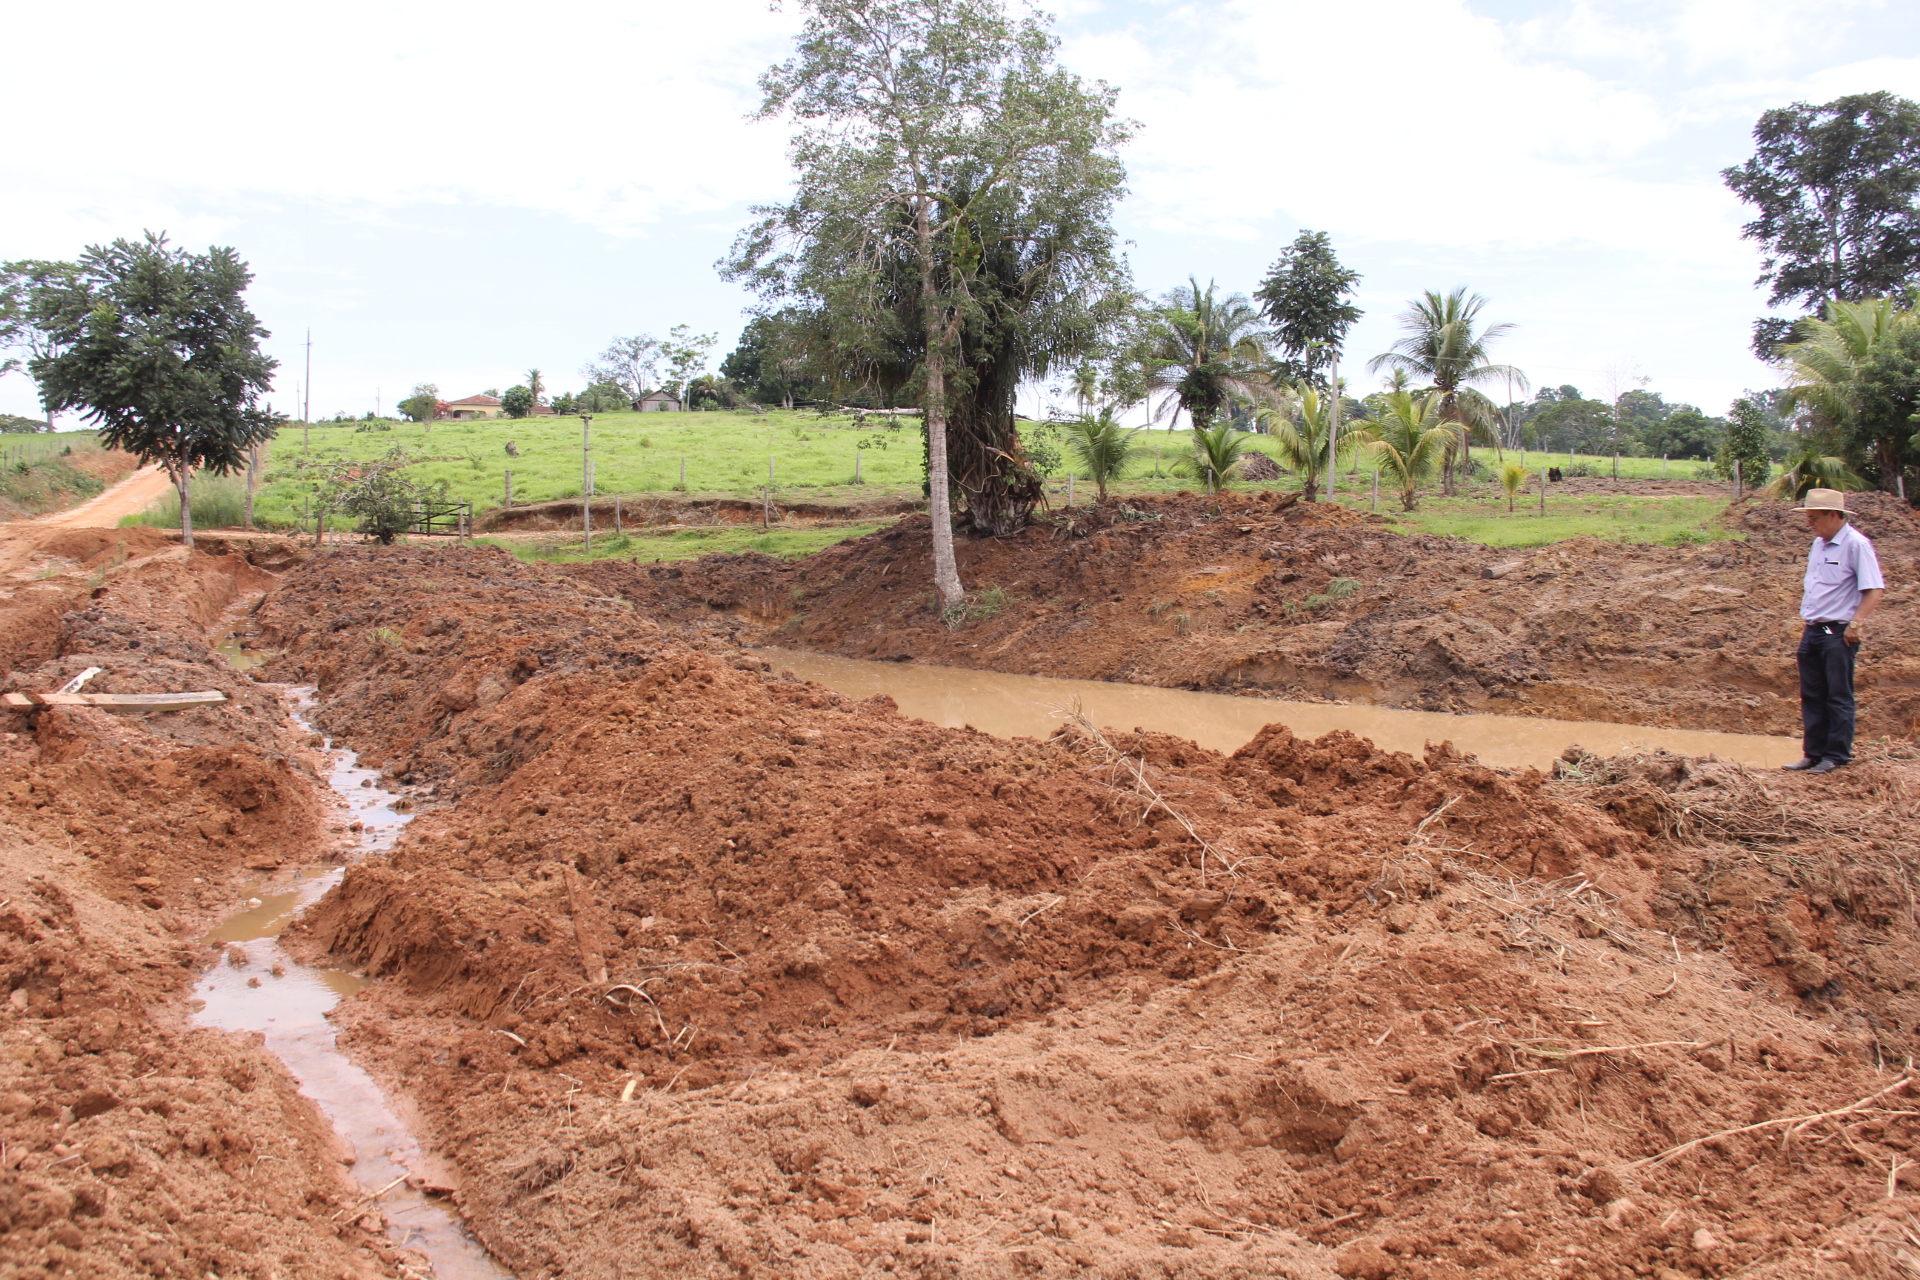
[{"x": 1826, "y": 692}]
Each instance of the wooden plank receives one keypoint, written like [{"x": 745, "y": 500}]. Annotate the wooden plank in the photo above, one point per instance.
[{"x": 120, "y": 702}]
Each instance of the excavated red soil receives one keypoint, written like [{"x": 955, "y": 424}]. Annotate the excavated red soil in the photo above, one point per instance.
[
  {"x": 694, "y": 969},
  {"x": 132, "y": 1144},
  {"x": 1221, "y": 594}
]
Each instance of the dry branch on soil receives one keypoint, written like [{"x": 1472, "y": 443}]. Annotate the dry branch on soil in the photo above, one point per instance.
[{"x": 1083, "y": 734}]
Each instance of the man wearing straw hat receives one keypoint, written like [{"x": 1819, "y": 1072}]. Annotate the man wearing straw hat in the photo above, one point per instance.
[{"x": 1841, "y": 591}]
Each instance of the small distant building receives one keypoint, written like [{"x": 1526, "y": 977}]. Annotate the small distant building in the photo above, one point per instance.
[
  {"x": 472, "y": 407},
  {"x": 659, "y": 402}
]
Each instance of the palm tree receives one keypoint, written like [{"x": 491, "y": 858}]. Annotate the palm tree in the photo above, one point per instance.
[
  {"x": 1216, "y": 451},
  {"x": 1512, "y": 477},
  {"x": 1439, "y": 346},
  {"x": 1086, "y": 385},
  {"x": 1300, "y": 437},
  {"x": 1832, "y": 371},
  {"x": 535, "y": 385},
  {"x": 1410, "y": 440},
  {"x": 1203, "y": 351},
  {"x": 1101, "y": 446},
  {"x": 1811, "y": 469}
]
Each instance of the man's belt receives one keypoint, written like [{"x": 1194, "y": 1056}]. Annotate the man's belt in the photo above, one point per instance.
[{"x": 1840, "y": 624}]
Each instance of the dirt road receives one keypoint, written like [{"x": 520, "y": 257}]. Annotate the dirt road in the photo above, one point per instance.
[{"x": 134, "y": 494}]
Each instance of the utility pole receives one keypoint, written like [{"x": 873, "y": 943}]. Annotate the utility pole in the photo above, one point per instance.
[
  {"x": 586, "y": 480},
  {"x": 306, "y": 409}
]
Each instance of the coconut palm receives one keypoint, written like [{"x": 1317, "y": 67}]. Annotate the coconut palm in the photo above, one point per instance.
[
  {"x": 1513, "y": 477},
  {"x": 1441, "y": 347},
  {"x": 1203, "y": 351},
  {"x": 1839, "y": 372},
  {"x": 1299, "y": 430},
  {"x": 1216, "y": 451},
  {"x": 1409, "y": 440},
  {"x": 1811, "y": 469},
  {"x": 1101, "y": 446}
]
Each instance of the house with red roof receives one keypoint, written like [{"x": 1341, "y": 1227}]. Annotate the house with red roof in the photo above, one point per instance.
[{"x": 472, "y": 407}]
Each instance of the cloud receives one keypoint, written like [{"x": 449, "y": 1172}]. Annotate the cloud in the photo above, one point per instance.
[{"x": 613, "y": 114}]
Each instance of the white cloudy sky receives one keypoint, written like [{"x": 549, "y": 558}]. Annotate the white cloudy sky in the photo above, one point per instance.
[{"x": 455, "y": 192}]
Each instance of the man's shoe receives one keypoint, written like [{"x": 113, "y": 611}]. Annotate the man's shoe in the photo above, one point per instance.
[
  {"x": 1803, "y": 763},
  {"x": 1825, "y": 766}
]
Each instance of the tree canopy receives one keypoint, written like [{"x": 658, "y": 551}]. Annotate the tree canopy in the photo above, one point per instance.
[
  {"x": 1856, "y": 374},
  {"x": 1204, "y": 351},
  {"x": 1305, "y": 297},
  {"x": 157, "y": 346},
  {"x": 1834, "y": 188},
  {"x": 950, "y": 230},
  {"x": 1444, "y": 345}
]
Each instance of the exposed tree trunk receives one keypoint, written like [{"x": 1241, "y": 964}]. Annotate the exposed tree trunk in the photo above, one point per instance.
[
  {"x": 946, "y": 571},
  {"x": 182, "y": 476}
]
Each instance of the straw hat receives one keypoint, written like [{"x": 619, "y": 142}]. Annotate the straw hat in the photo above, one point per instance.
[{"x": 1824, "y": 500}]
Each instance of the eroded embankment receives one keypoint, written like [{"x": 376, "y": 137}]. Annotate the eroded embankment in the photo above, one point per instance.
[
  {"x": 130, "y": 1143},
  {"x": 702, "y": 971},
  {"x": 1165, "y": 591}
]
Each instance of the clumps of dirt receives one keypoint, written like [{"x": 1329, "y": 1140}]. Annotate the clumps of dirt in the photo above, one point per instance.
[
  {"x": 718, "y": 972},
  {"x": 1809, "y": 882},
  {"x": 1239, "y": 593},
  {"x": 417, "y": 654},
  {"x": 134, "y": 1145}
]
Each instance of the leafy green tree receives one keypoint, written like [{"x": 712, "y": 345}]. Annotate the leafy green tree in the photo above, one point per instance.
[
  {"x": 603, "y": 397},
  {"x": 1835, "y": 189},
  {"x": 1856, "y": 372},
  {"x": 1102, "y": 448},
  {"x": 1745, "y": 442},
  {"x": 517, "y": 402},
  {"x": 1581, "y": 424},
  {"x": 1410, "y": 439},
  {"x": 767, "y": 366},
  {"x": 422, "y": 404},
  {"x": 157, "y": 346},
  {"x": 380, "y": 493},
  {"x": 1684, "y": 433},
  {"x": 1299, "y": 431},
  {"x": 1203, "y": 351},
  {"x": 564, "y": 405},
  {"x": 1306, "y": 298},
  {"x": 1443, "y": 345},
  {"x": 707, "y": 391},
  {"x": 629, "y": 364},
  {"x": 686, "y": 355},
  {"x": 950, "y": 230}
]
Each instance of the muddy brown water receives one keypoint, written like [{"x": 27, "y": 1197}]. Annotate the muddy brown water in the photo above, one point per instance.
[
  {"x": 261, "y": 988},
  {"x": 1031, "y": 706}
]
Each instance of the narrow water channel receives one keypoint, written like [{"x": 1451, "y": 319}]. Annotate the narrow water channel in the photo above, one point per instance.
[
  {"x": 261, "y": 988},
  {"x": 1029, "y": 706}
]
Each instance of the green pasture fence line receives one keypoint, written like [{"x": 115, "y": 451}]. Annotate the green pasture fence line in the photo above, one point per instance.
[{"x": 39, "y": 446}]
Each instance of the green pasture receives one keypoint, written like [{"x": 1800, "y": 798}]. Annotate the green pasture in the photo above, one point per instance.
[
  {"x": 680, "y": 544},
  {"x": 721, "y": 454},
  {"x": 1482, "y": 517}
]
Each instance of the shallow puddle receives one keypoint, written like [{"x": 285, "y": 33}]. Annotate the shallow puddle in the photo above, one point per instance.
[
  {"x": 261, "y": 988},
  {"x": 1011, "y": 705}
]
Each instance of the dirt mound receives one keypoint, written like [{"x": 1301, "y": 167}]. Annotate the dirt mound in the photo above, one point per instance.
[
  {"x": 1253, "y": 594},
  {"x": 133, "y": 1144},
  {"x": 1810, "y": 886},
  {"x": 705, "y": 971}
]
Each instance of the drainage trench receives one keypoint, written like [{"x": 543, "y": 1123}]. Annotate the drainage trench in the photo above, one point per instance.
[
  {"x": 259, "y": 987},
  {"x": 1030, "y": 706}
]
